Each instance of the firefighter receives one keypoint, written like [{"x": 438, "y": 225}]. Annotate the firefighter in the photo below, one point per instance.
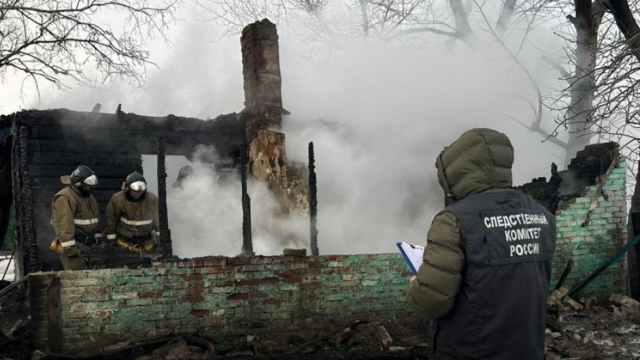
[
  {"x": 487, "y": 264},
  {"x": 74, "y": 216},
  {"x": 132, "y": 216}
]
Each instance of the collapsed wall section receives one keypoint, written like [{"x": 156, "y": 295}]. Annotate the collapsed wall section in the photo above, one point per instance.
[
  {"x": 590, "y": 230},
  {"x": 589, "y": 202},
  {"x": 215, "y": 297}
]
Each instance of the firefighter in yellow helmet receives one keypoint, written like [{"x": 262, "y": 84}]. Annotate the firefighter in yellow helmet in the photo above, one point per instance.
[
  {"x": 74, "y": 216},
  {"x": 132, "y": 216}
]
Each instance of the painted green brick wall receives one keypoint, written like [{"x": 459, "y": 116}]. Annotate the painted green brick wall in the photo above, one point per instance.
[
  {"x": 592, "y": 244},
  {"x": 217, "y": 296}
]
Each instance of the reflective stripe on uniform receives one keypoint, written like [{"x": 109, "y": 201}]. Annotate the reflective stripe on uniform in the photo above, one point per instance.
[
  {"x": 68, "y": 243},
  {"x": 111, "y": 236},
  {"x": 136, "y": 222},
  {"x": 84, "y": 222}
]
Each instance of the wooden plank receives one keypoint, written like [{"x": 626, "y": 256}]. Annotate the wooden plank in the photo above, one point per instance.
[
  {"x": 54, "y": 183},
  {"x": 75, "y": 146},
  {"x": 38, "y": 298},
  {"x": 180, "y": 133},
  {"x": 88, "y": 158},
  {"x": 101, "y": 170},
  {"x": 55, "y": 337}
]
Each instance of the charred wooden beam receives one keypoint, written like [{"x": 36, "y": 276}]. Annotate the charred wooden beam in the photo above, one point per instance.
[
  {"x": 633, "y": 231},
  {"x": 247, "y": 241},
  {"x": 565, "y": 274},
  {"x": 181, "y": 134},
  {"x": 5, "y": 182},
  {"x": 165, "y": 232},
  {"x": 15, "y": 185},
  {"x": 55, "y": 335},
  {"x": 313, "y": 203},
  {"x": 23, "y": 199}
]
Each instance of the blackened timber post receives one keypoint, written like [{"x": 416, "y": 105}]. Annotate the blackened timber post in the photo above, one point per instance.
[
  {"x": 22, "y": 261},
  {"x": 27, "y": 240},
  {"x": 165, "y": 233},
  {"x": 247, "y": 241},
  {"x": 633, "y": 230},
  {"x": 313, "y": 203}
]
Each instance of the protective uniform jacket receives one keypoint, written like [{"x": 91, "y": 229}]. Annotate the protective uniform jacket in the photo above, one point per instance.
[
  {"x": 74, "y": 216},
  {"x": 130, "y": 218},
  {"x": 487, "y": 262}
]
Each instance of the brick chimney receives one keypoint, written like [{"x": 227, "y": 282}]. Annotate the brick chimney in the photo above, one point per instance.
[
  {"x": 267, "y": 156},
  {"x": 262, "y": 81}
]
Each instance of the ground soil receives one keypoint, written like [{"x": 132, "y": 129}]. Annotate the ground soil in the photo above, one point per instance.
[{"x": 598, "y": 331}]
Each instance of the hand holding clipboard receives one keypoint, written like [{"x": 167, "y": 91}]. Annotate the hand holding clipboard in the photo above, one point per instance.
[{"x": 412, "y": 255}]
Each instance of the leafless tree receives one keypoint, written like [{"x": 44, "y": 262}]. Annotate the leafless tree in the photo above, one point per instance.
[
  {"x": 578, "y": 98},
  {"x": 601, "y": 94},
  {"x": 58, "y": 40}
]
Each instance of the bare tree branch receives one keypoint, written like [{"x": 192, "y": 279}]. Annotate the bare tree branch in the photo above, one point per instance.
[
  {"x": 61, "y": 39},
  {"x": 626, "y": 23},
  {"x": 402, "y": 33},
  {"x": 563, "y": 72},
  {"x": 537, "y": 123}
]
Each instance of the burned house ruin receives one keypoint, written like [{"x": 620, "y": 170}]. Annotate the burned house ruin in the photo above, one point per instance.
[
  {"x": 92, "y": 311},
  {"x": 38, "y": 146},
  {"x": 276, "y": 296}
]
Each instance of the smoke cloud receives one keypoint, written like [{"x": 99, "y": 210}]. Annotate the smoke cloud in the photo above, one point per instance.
[
  {"x": 205, "y": 212},
  {"x": 377, "y": 111}
]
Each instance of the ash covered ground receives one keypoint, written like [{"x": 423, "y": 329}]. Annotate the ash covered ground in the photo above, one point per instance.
[
  {"x": 585, "y": 329},
  {"x": 594, "y": 330}
]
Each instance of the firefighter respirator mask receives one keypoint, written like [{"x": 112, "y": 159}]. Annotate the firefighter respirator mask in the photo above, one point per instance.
[
  {"x": 88, "y": 185},
  {"x": 91, "y": 181},
  {"x": 137, "y": 189}
]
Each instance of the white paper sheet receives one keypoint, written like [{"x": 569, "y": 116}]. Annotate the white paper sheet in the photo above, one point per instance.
[{"x": 412, "y": 255}]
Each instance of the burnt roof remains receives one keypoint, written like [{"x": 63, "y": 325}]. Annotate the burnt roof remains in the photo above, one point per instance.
[{"x": 584, "y": 170}]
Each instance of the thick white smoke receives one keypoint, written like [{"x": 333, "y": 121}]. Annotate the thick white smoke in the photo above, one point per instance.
[
  {"x": 378, "y": 112},
  {"x": 205, "y": 211}
]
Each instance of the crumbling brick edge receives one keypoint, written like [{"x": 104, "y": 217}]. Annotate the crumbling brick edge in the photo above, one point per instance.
[{"x": 591, "y": 243}]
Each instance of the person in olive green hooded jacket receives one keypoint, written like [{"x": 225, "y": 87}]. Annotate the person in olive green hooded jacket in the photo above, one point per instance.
[{"x": 487, "y": 262}]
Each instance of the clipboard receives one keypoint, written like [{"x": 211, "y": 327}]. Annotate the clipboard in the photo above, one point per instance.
[{"x": 412, "y": 255}]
